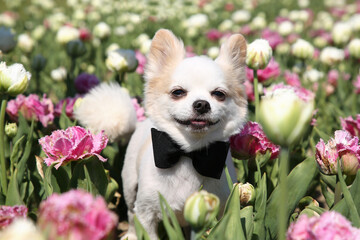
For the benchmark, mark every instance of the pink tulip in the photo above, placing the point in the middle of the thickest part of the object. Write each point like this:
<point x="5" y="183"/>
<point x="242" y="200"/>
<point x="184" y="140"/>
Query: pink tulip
<point x="300" y="230"/>
<point x="344" y="147"/>
<point x="251" y="141"/>
<point x="351" y="125"/>
<point x="329" y="226"/>
<point x="292" y="79"/>
<point x="357" y="85"/>
<point x="140" y="112"/>
<point x="302" y="93"/>
<point x="85" y="34"/>
<point x="271" y="71"/>
<point x="9" y="213"/>
<point x="32" y="107"/>
<point x="69" y="109"/>
<point x="72" y="144"/>
<point x="272" y="37"/>
<point x="249" y="88"/>
<point x="213" y="35"/>
<point x="141" y="62"/>
<point x="76" y="215"/>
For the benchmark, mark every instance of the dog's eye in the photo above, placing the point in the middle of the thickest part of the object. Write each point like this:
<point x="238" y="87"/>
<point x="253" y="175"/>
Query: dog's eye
<point x="178" y="93"/>
<point x="219" y="95"/>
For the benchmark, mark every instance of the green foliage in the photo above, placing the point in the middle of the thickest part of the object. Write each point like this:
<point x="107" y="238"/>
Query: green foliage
<point x="230" y="226"/>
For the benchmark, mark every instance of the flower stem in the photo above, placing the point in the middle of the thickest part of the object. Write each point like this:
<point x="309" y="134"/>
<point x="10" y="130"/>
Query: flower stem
<point x="70" y="91"/>
<point x="2" y="146"/>
<point x="37" y="82"/>
<point x="256" y="95"/>
<point x="337" y="195"/>
<point x="120" y="77"/>
<point x="283" y="203"/>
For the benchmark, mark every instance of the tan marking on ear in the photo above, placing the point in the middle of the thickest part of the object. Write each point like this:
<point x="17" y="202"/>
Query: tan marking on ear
<point x="232" y="60"/>
<point x="166" y="52"/>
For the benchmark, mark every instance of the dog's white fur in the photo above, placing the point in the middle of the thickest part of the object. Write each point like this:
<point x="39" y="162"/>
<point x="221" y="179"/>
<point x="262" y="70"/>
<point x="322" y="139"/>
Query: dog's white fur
<point x="169" y="70"/>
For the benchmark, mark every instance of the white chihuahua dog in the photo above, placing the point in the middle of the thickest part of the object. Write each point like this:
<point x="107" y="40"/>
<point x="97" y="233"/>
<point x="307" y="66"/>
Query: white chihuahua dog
<point x="193" y="104"/>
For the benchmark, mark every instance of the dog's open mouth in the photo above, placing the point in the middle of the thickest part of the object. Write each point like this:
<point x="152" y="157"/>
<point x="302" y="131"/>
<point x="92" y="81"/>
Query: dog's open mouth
<point x="197" y="123"/>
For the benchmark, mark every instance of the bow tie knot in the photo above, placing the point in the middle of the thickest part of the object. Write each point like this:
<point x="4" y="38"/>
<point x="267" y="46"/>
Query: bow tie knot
<point x="208" y="161"/>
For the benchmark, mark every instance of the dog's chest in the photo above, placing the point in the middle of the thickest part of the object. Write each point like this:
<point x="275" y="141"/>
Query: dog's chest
<point x="179" y="182"/>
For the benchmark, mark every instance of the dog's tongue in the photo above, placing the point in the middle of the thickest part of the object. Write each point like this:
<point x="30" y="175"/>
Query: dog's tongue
<point x="198" y="122"/>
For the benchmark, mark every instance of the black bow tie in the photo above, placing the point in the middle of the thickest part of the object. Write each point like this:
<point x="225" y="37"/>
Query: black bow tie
<point x="208" y="161"/>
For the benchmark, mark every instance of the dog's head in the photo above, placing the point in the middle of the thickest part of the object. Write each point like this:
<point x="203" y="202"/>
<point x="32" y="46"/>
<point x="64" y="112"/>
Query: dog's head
<point x="195" y="100"/>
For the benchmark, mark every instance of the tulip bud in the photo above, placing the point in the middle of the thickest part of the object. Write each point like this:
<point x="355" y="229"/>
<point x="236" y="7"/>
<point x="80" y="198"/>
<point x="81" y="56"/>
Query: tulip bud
<point x="285" y="113"/>
<point x="102" y="30"/>
<point x="213" y="52"/>
<point x="38" y="63"/>
<point x="354" y="48"/>
<point x="302" y="49"/>
<point x="259" y="54"/>
<point x="7" y="40"/>
<point x="285" y="28"/>
<point x="25" y="43"/>
<point x="201" y="209"/>
<point x="332" y="55"/>
<point x="246" y="193"/>
<point x="58" y="74"/>
<point x="13" y="79"/>
<point x="66" y="34"/>
<point x="121" y="60"/>
<point x="11" y="130"/>
<point x="75" y="48"/>
<point x="341" y="33"/>
<point x="307" y="201"/>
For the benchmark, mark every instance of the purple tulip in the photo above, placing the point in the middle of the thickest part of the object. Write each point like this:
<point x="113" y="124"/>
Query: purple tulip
<point x="84" y="82"/>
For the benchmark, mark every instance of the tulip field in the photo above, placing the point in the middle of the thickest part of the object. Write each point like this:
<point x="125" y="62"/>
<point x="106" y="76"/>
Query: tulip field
<point x="62" y="144"/>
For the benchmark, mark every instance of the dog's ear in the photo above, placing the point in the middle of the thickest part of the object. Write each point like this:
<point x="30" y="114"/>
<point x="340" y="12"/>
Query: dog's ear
<point x="232" y="57"/>
<point x="165" y="53"/>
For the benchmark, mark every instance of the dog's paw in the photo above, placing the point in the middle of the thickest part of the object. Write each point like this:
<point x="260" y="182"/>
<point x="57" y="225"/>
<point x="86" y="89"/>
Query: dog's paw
<point x="129" y="236"/>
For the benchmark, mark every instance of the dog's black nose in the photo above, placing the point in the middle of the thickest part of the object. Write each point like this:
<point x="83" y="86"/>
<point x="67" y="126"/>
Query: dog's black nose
<point x="201" y="106"/>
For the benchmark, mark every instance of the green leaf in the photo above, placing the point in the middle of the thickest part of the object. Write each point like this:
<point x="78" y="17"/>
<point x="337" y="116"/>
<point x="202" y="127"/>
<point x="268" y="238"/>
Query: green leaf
<point x="17" y="150"/>
<point x="26" y="190"/>
<point x="13" y="196"/>
<point x="354" y="190"/>
<point x="329" y="197"/>
<point x="22" y="165"/>
<point x="322" y="134"/>
<point x="92" y="179"/>
<point x="229" y="227"/>
<point x="97" y="175"/>
<point x="112" y="187"/>
<point x="228" y="178"/>
<point x="23" y="127"/>
<point x="64" y="120"/>
<point x="262" y="159"/>
<point x="140" y="231"/>
<point x="47" y="181"/>
<point x="298" y="182"/>
<point x="260" y="208"/>
<point x="60" y="181"/>
<point x="330" y="180"/>
<point x="241" y="169"/>
<point x="171" y="224"/>
<point x="316" y="209"/>
<point x="2" y="199"/>
<point x="354" y="215"/>
<point x="247" y="221"/>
